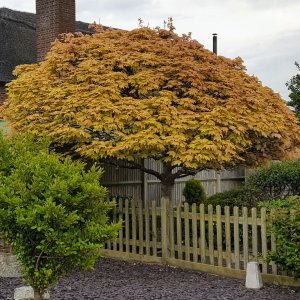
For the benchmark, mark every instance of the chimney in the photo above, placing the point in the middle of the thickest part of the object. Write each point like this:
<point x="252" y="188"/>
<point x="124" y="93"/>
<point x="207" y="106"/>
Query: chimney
<point x="215" y="43"/>
<point x="53" y="18"/>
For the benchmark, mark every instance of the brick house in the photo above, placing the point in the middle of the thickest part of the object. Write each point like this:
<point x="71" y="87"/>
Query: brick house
<point x="27" y="37"/>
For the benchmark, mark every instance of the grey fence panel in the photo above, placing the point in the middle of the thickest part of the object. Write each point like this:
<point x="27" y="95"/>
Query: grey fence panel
<point x="115" y="175"/>
<point x="137" y="185"/>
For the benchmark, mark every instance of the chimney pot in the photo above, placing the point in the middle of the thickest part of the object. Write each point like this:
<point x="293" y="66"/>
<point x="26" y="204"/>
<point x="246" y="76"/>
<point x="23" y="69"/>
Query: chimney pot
<point x="215" y="43"/>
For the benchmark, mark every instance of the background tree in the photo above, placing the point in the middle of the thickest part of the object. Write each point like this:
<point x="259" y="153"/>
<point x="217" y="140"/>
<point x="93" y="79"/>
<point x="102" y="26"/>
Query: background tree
<point x="53" y="213"/>
<point x="124" y="96"/>
<point x="294" y="86"/>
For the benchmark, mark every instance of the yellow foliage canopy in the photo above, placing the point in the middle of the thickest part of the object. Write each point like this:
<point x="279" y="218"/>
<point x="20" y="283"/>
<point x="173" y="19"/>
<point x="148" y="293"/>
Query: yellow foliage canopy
<point x="151" y="94"/>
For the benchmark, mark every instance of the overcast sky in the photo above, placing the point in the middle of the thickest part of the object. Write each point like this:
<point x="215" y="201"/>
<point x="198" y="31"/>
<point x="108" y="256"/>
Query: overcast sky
<point x="264" y="33"/>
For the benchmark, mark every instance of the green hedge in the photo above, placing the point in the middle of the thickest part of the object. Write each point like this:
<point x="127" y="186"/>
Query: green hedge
<point x="279" y="180"/>
<point x="285" y="227"/>
<point x="242" y="196"/>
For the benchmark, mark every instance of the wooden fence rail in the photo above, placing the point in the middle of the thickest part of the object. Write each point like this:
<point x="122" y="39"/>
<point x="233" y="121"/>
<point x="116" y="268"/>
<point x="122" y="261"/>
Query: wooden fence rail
<point x="211" y="239"/>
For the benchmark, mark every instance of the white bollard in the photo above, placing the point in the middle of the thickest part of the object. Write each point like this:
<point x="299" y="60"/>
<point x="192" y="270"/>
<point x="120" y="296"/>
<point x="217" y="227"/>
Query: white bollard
<point x="253" y="276"/>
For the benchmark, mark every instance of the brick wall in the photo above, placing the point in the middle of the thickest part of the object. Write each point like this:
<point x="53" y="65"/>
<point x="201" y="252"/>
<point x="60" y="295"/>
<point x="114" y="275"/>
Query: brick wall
<point x="53" y="17"/>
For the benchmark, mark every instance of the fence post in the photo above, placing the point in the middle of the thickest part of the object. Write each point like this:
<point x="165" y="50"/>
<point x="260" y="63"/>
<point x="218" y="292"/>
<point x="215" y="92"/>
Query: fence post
<point x="218" y="182"/>
<point x="164" y="229"/>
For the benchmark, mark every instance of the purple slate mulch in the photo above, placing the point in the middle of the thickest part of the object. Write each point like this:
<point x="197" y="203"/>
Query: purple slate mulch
<point x="114" y="279"/>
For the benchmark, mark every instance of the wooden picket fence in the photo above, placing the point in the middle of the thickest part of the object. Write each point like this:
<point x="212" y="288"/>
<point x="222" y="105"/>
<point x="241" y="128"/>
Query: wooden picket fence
<point x="210" y="239"/>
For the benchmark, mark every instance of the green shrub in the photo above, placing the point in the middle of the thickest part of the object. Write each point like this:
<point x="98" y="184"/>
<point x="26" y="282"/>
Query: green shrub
<point x="11" y="149"/>
<point x="285" y="226"/>
<point x="194" y="192"/>
<point x="241" y="197"/>
<point x="279" y="180"/>
<point x="53" y="213"/>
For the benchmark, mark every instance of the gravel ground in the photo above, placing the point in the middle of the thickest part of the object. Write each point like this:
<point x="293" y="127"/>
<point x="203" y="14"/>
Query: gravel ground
<point x="113" y="279"/>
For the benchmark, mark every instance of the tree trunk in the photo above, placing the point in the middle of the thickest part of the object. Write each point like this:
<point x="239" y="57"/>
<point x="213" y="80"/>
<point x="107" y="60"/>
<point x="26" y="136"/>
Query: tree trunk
<point x="166" y="189"/>
<point x="37" y="295"/>
<point x="167" y="182"/>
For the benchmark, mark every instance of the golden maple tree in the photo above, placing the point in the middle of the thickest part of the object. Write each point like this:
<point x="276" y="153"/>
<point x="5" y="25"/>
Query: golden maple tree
<point x="123" y="96"/>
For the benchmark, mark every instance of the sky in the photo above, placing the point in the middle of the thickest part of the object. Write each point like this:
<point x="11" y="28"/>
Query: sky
<point x="264" y="33"/>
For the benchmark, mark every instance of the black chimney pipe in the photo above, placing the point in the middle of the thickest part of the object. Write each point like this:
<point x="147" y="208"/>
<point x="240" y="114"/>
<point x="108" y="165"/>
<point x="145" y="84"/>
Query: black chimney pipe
<point x="215" y="43"/>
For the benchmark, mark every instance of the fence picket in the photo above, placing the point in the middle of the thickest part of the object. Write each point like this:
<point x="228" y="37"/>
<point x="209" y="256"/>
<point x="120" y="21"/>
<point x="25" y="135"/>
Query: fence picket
<point x="194" y="232"/>
<point x="154" y="229"/>
<point x="127" y="227"/>
<point x="164" y="228"/>
<point x="115" y="221"/>
<point x="121" y="230"/>
<point x="147" y="228"/>
<point x="141" y="228"/>
<point x="171" y="230"/>
<point x="219" y="235"/>
<point x="202" y="234"/>
<point x="133" y="217"/>
<point x="178" y="231"/>
<point x="245" y="237"/>
<point x="211" y="235"/>
<point x="264" y="238"/>
<point x="273" y="248"/>
<point x="254" y="234"/>
<point x="228" y="236"/>
<point x="236" y="235"/>
<point x="187" y="232"/>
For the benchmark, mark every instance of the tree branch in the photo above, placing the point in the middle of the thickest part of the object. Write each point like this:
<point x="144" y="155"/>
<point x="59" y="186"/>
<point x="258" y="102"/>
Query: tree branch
<point x="182" y="176"/>
<point x="38" y="260"/>
<point x="183" y="172"/>
<point x="132" y="165"/>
